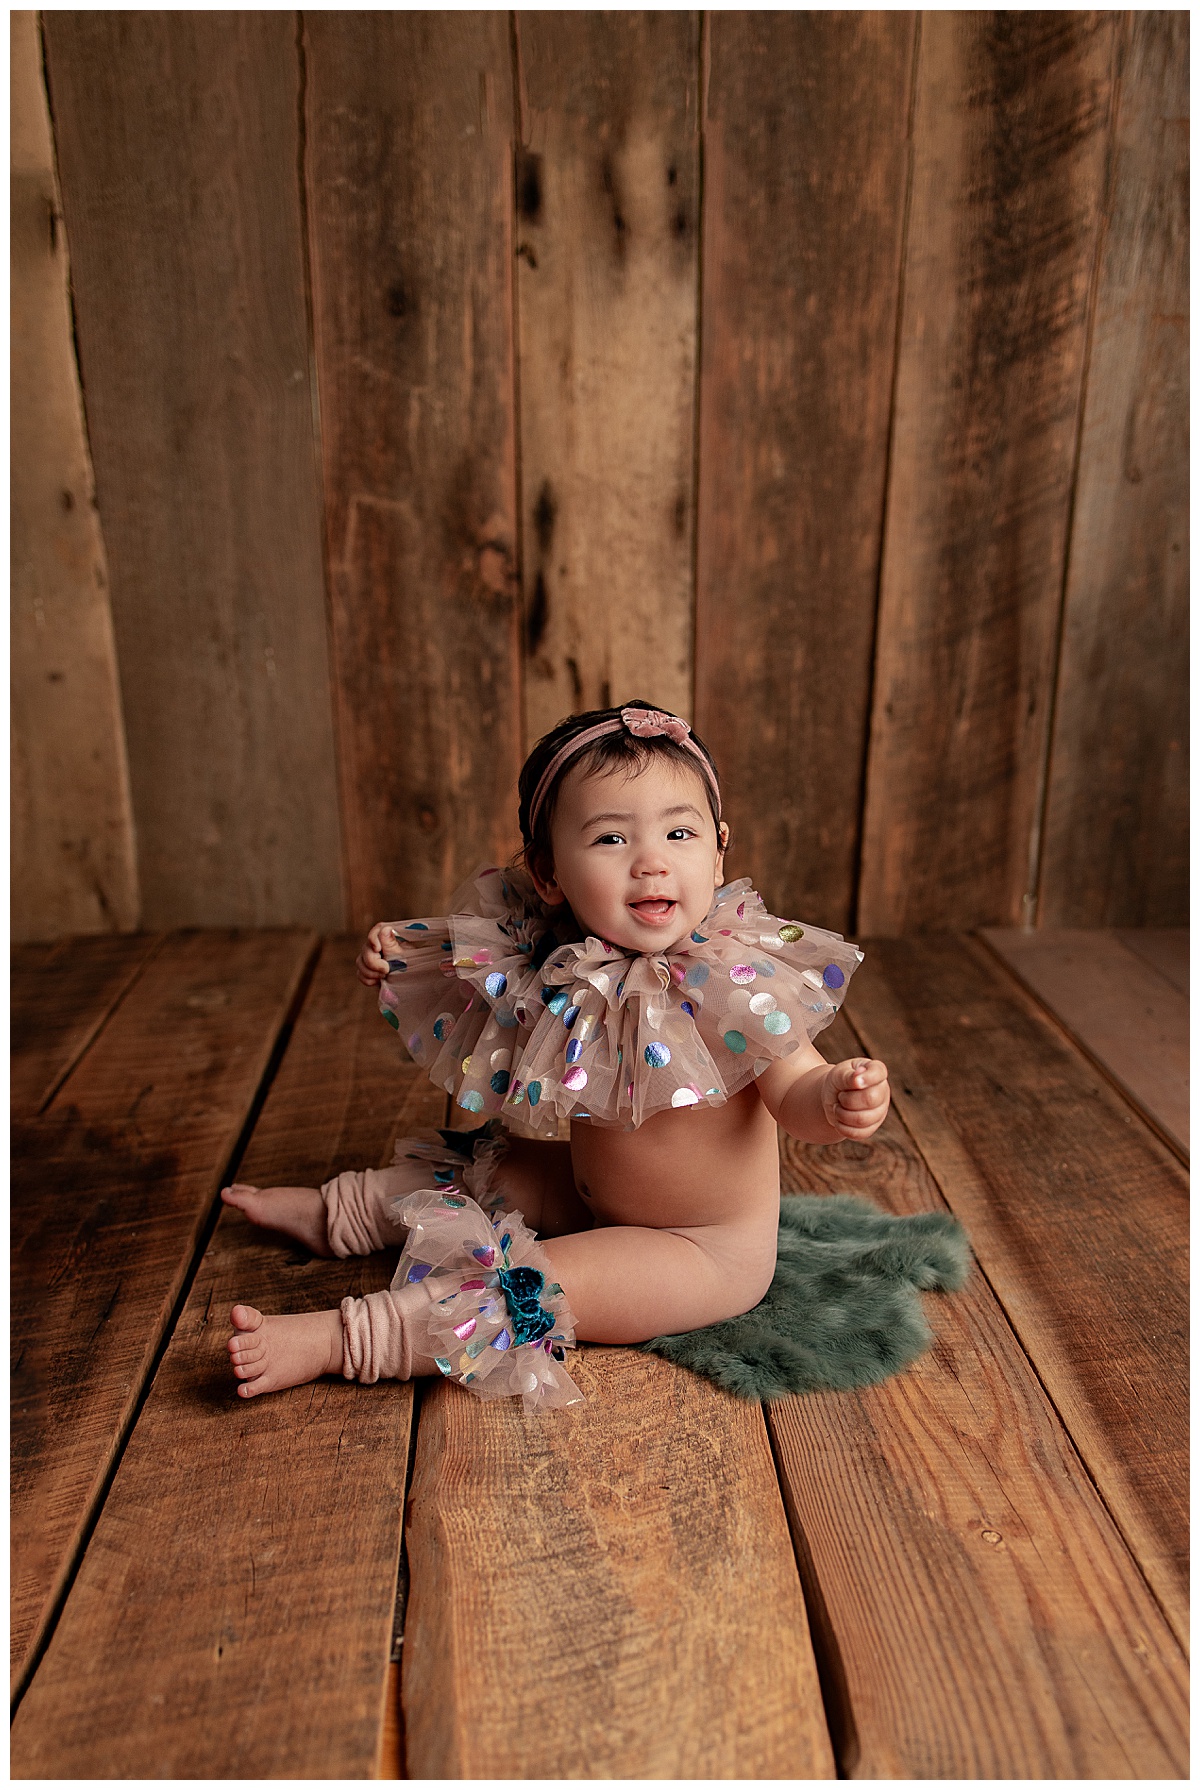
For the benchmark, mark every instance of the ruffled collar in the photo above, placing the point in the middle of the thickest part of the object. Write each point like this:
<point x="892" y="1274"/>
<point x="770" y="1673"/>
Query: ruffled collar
<point x="515" y="1016"/>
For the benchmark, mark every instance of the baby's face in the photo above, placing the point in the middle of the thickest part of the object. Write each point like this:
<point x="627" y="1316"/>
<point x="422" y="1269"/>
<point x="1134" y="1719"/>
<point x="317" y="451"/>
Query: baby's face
<point x="637" y="856"/>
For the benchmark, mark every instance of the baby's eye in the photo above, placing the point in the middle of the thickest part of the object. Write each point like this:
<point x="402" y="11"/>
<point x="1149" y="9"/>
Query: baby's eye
<point x="609" y="839"/>
<point x="681" y="833"/>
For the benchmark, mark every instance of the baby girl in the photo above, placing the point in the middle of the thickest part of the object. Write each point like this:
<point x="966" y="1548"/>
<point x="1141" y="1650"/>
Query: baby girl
<point x="614" y="981"/>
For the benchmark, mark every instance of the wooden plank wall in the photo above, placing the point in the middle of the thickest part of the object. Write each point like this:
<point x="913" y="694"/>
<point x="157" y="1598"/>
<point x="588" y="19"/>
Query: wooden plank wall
<point x="72" y="822"/>
<point x="819" y="375"/>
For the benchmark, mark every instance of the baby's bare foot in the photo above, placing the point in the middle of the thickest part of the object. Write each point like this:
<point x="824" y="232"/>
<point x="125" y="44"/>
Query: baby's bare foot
<point x="269" y="1354"/>
<point x="298" y="1212"/>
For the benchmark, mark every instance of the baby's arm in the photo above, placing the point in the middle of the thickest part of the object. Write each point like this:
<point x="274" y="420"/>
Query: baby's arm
<point x="822" y="1102"/>
<point x="372" y="963"/>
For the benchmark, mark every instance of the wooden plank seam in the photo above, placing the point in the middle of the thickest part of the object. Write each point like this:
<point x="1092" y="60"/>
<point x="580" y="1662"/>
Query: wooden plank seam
<point x="1033" y="891"/>
<point x="979" y="1268"/>
<point x="87" y="1043"/>
<point x="831" y="1668"/>
<point x="92" y="1517"/>
<point x="1080" y="1044"/>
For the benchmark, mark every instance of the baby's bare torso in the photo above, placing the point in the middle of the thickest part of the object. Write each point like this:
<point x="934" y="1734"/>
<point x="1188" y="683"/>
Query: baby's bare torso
<point x="699" y="1165"/>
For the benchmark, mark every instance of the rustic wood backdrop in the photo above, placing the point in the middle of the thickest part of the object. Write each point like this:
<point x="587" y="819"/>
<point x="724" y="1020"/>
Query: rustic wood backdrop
<point x="387" y="385"/>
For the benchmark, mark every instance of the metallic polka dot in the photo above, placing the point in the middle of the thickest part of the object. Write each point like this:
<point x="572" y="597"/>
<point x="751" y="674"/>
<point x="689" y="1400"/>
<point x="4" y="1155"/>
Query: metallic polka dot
<point x="686" y="1007"/>
<point x="741" y="973"/>
<point x="472" y="1102"/>
<point x="789" y="934"/>
<point x="574" y="1050"/>
<point x="500" y="1081"/>
<point x="601" y="981"/>
<point x="416" y="926"/>
<point x="575" y="1079"/>
<point x="657" y="1055"/>
<point x="812" y="978"/>
<point x="697" y="976"/>
<point x="414" y="1043"/>
<point x="466" y="1064"/>
<point x="534" y="1092"/>
<point x="500" y="1059"/>
<point x="654" y="1015"/>
<point x="482" y="957"/>
<point x="685" y="1097"/>
<point x="763" y="967"/>
<point x="833" y="976"/>
<point x="496" y="984"/>
<point x="778" y="1023"/>
<point x="735" y="1042"/>
<point x="396" y="964"/>
<point x="516" y="1093"/>
<point x="557" y="1001"/>
<point x="570" y="1016"/>
<point x="392" y="1021"/>
<point x="763" y="1003"/>
<point x="506" y="1018"/>
<point x="700" y="938"/>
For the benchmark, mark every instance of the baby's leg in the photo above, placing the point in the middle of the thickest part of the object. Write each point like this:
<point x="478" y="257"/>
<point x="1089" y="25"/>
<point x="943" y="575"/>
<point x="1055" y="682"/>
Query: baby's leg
<point x="353" y="1213"/>
<point x="350" y="1215"/>
<point x="369" y="1338"/>
<point x="625" y="1284"/>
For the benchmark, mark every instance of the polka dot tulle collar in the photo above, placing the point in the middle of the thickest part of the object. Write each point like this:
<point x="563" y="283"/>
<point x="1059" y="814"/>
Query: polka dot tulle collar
<point x="515" y="1013"/>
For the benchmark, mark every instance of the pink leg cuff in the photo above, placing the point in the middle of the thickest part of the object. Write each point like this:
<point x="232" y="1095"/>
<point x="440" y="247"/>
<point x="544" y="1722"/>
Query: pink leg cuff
<point x="358" y="1219"/>
<point x="377" y="1336"/>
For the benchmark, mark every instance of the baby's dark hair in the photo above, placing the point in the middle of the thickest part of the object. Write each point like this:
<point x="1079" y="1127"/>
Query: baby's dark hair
<point x="605" y="754"/>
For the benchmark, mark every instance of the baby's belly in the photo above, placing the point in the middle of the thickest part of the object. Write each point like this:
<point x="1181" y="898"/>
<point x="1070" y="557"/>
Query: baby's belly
<point x="698" y="1165"/>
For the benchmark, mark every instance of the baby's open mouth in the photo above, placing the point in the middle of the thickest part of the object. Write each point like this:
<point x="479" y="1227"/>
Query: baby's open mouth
<point x="653" y="908"/>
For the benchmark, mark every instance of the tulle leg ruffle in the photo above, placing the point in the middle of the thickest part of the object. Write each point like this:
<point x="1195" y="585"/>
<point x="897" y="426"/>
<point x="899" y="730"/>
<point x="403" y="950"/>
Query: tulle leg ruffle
<point x="502" y="1324"/>
<point x="469" y="1164"/>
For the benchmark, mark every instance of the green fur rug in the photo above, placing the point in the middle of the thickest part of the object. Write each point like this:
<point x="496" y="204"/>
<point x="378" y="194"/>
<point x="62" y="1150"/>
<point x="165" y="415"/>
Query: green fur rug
<point x="844" y="1307"/>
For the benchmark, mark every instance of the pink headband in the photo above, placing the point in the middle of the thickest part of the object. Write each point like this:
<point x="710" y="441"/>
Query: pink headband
<point x="647" y="724"/>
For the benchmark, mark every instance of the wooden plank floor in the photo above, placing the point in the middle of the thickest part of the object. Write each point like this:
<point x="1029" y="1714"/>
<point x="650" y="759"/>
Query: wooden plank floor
<point x="974" y="1570"/>
<point x="1122" y="996"/>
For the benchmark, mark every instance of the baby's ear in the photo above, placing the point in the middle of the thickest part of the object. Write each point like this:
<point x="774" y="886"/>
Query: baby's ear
<point x="542" y="871"/>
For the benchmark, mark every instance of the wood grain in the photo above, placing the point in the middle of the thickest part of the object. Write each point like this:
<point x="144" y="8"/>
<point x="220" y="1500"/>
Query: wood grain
<point x="976" y="1610"/>
<point x="1166" y="949"/>
<point x="1116" y="836"/>
<point x="1126" y="1016"/>
<point x="232" y="1617"/>
<point x="805" y="174"/>
<point x="408" y="172"/>
<point x="607" y="268"/>
<point x="177" y="137"/>
<point x="60" y="996"/>
<point x="1077" y="1214"/>
<point x="110" y="1193"/>
<point x="607" y="1591"/>
<point x="74" y="867"/>
<point x="1010" y="139"/>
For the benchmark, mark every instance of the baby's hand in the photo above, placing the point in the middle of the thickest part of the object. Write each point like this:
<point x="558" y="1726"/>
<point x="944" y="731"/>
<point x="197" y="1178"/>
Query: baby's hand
<point x="372" y="964"/>
<point x="855" y="1097"/>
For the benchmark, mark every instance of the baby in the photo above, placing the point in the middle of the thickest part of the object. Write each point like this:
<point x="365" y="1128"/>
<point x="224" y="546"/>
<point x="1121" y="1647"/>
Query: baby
<point x="614" y="981"/>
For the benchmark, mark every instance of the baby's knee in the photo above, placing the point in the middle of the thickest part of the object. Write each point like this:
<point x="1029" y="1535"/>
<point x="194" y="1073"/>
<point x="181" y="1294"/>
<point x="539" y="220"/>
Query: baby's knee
<point x="742" y="1269"/>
